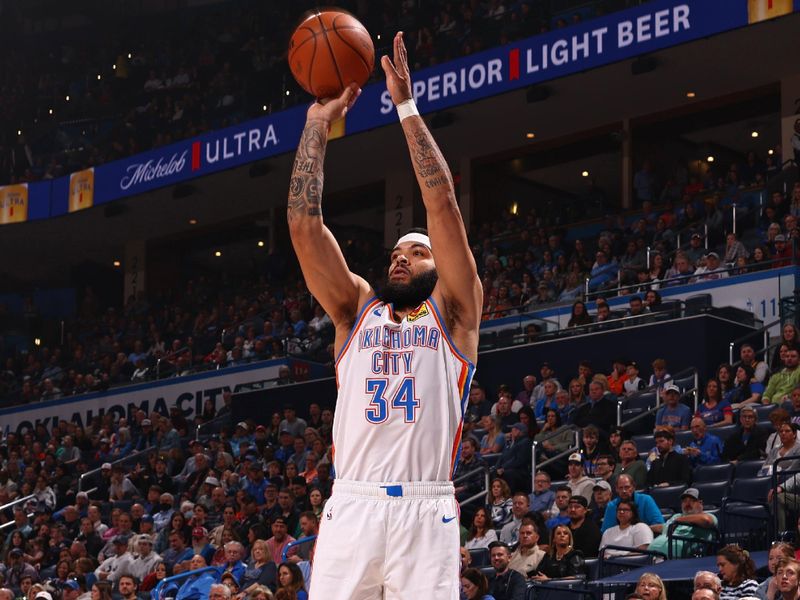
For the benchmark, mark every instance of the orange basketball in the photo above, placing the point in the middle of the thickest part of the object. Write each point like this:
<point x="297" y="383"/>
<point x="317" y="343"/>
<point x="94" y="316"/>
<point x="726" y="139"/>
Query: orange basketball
<point x="328" y="51"/>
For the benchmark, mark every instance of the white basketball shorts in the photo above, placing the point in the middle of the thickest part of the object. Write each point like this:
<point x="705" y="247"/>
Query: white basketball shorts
<point x="388" y="541"/>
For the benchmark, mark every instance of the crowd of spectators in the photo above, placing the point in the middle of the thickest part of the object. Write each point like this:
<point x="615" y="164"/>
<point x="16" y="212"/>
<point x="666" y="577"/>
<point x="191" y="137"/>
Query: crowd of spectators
<point x="81" y="97"/>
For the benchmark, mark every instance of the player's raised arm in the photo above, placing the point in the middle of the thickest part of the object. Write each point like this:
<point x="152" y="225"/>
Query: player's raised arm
<point x="455" y="264"/>
<point x="324" y="267"/>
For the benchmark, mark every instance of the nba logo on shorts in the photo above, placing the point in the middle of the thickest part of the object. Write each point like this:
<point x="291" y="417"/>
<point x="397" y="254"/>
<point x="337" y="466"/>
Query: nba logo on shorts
<point x="761" y="10"/>
<point x="81" y="190"/>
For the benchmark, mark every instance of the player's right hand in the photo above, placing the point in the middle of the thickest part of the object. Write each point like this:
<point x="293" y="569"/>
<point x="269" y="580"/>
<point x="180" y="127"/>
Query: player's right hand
<point x="333" y="109"/>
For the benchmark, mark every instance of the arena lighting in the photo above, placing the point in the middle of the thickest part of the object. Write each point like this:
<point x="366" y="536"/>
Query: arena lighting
<point x="37" y="341"/>
<point x="264" y="108"/>
<point x="644" y="64"/>
<point x="709" y="158"/>
<point x="99" y="77"/>
<point x="379" y="36"/>
<point x="537" y="93"/>
<point x="67" y="98"/>
<point x="116" y="263"/>
<point x="288" y="92"/>
<point x="19" y="131"/>
<point x="260" y="243"/>
<point x="690" y="94"/>
<point x="113" y="67"/>
<point x="130" y="55"/>
<point x="217" y="253"/>
<point x="50" y="111"/>
<point x="754" y="134"/>
<point x="530" y="135"/>
<point x="584" y="173"/>
<point x="514" y="208"/>
<point x="770" y="151"/>
<point x="192" y="221"/>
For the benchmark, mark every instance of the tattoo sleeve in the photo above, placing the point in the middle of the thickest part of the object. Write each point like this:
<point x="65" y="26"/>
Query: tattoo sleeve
<point x="429" y="165"/>
<point x="305" y="186"/>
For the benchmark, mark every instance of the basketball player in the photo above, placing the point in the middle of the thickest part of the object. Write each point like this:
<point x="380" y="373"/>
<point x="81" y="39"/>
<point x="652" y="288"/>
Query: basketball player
<point x="405" y="358"/>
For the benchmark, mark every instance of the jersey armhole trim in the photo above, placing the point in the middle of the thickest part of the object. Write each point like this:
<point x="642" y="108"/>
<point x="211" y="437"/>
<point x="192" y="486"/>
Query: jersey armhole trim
<point x="359" y="318"/>
<point x="443" y="327"/>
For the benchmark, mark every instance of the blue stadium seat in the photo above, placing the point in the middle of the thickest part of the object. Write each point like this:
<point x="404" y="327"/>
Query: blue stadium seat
<point x="645" y="401"/>
<point x="762" y="412"/>
<point x="697" y="304"/>
<point x="685" y="383"/>
<point x="705" y="473"/>
<point x="723" y="432"/>
<point x="668" y="497"/>
<point x="750" y="489"/>
<point x="643" y="442"/>
<point x="712" y="492"/>
<point x="683" y="438"/>
<point x="480" y="557"/>
<point x="748" y="468"/>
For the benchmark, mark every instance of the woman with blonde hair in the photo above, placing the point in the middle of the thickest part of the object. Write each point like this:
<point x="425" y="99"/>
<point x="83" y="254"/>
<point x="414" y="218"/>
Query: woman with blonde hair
<point x="651" y="587"/>
<point x="562" y="560"/>
<point x="260" y="571"/>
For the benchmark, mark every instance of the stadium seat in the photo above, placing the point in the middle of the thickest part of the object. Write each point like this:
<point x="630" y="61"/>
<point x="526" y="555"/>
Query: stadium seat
<point x="750" y="489"/>
<point x="668" y="497"/>
<point x="748" y="525"/>
<point x="643" y="442"/>
<point x="684" y="383"/>
<point x="712" y="492"/>
<point x="644" y="401"/>
<point x="762" y="412"/>
<point x="697" y="304"/>
<point x="480" y="557"/>
<point x="706" y="473"/>
<point x="683" y="438"/>
<point x="748" y="468"/>
<point x="723" y="432"/>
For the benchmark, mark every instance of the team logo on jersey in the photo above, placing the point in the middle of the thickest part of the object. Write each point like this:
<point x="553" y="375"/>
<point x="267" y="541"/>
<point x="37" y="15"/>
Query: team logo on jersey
<point x="418" y="313"/>
<point x="329" y="514"/>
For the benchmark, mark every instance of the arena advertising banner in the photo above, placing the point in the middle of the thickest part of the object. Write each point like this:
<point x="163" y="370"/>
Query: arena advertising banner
<point x="618" y="36"/>
<point x="14" y="203"/>
<point x="188" y="393"/>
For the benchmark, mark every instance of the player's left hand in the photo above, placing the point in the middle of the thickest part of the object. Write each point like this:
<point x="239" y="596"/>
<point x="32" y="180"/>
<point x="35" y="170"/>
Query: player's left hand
<point x="398" y="77"/>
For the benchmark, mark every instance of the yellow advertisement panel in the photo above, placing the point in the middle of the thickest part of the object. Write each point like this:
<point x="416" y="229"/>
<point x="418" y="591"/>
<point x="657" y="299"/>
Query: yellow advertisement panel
<point x="81" y="190"/>
<point x="337" y="129"/>
<point x="14" y="204"/>
<point x="761" y="10"/>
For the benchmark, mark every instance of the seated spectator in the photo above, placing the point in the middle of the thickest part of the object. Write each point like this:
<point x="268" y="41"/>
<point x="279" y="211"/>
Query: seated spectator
<point x="650" y="586"/>
<point x="618" y="377"/>
<point x="260" y="569"/>
<point x="628" y="532"/>
<point x="585" y="532"/>
<point x="670" y="468"/>
<point x="693" y="522"/>
<point x="481" y="533"/>
<point x="633" y="383"/>
<point x="649" y="513"/>
<point x="788" y="574"/>
<point x="546" y="374"/>
<point x="600" y="410"/>
<point x="279" y="541"/>
<point x="548" y="399"/>
<point x="557" y="515"/>
<point x="660" y="377"/>
<point x="746" y="390"/>
<point x="475" y="585"/>
<point x="500" y="503"/>
<point x="748" y="441"/>
<point x="554" y="437"/>
<point x="673" y="413"/>
<point x="145" y="560"/>
<point x="778" y="552"/>
<point x="122" y="562"/>
<point x="591" y="447"/>
<point x="601" y="496"/>
<point x="630" y="464"/>
<point x="579" y="315"/>
<point x="542" y="497"/>
<point x="790" y="446"/>
<point x="515" y="461"/>
<point x="706" y="580"/>
<point x="519" y="508"/>
<point x="505" y="583"/>
<point x="714" y="410"/>
<point x="470" y="462"/>
<point x="712" y="269"/>
<point x="562" y="560"/>
<point x="526" y="558"/>
<point x="784" y="381"/>
<point x="578" y="482"/>
<point x="494" y="440"/>
<point x="705" y="448"/>
<point x="737" y="572"/>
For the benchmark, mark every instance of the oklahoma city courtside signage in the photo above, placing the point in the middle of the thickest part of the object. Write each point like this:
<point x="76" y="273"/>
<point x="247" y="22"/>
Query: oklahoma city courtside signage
<point x="622" y="35"/>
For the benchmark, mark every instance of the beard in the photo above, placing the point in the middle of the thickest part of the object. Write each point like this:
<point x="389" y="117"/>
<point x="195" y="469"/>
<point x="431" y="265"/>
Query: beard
<point x="411" y="294"/>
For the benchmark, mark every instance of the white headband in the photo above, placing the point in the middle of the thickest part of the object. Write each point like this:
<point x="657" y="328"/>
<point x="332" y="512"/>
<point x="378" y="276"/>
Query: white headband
<point x="416" y="238"/>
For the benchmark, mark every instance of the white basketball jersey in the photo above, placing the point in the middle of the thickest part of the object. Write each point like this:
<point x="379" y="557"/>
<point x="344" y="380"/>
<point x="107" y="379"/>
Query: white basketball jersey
<point x="402" y="393"/>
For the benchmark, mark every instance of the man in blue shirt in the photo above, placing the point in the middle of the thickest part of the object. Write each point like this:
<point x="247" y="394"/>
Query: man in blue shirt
<point x="649" y="512"/>
<point x="705" y="448"/>
<point x="673" y="413"/>
<point x="542" y="497"/>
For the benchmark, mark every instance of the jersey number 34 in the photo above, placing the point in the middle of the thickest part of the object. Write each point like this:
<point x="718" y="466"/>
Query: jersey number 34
<point x="404" y="400"/>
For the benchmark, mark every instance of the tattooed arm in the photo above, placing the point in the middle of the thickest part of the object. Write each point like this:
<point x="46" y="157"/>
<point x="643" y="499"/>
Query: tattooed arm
<point x="339" y="291"/>
<point x="458" y="285"/>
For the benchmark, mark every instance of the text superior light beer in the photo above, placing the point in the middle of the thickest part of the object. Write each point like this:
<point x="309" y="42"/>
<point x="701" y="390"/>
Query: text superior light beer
<point x="81" y="190"/>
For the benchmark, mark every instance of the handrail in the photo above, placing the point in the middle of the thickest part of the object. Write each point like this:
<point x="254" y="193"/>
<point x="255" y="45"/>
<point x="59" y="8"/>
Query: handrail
<point x="17" y="501"/>
<point x="171" y="353"/>
<point x="764" y="329"/>
<point x="208" y="423"/>
<point x="477" y="495"/>
<point x="163" y="583"/>
<point x="119" y="460"/>
<point x="297" y="542"/>
<point x="10" y="523"/>
<point x="575" y="448"/>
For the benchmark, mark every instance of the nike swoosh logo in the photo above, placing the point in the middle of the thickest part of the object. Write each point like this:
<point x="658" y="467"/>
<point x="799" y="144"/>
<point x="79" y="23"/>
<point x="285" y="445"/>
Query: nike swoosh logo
<point x="447" y="519"/>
